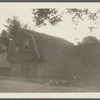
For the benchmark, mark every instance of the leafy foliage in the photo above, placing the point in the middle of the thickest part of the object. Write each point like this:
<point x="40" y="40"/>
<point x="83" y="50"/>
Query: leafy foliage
<point x="4" y="39"/>
<point x="89" y="39"/>
<point x="40" y="16"/>
<point x="53" y="16"/>
<point x="77" y="14"/>
<point x="13" y="26"/>
<point x="83" y="15"/>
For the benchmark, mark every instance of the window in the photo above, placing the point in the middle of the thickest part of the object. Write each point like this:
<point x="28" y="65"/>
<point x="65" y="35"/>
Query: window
<point x="26" y="46"/>
<point x="16" y="47"/>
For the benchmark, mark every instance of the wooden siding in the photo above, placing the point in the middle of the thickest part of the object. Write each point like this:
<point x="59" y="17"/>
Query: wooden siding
<point x="52" y="63"/>
<point x="16" y="69"/>
<point x="22" y="55"/>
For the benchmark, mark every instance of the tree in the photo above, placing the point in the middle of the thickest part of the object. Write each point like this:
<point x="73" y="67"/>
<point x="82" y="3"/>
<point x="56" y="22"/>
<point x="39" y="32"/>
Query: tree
<point x="40" y="16"/>
<point x="4" y="39"/>
<point x="54" y="16"/>
<point x="78" y="14"/>
<point x="13" y="26"/>
<point x="89" y="39"/>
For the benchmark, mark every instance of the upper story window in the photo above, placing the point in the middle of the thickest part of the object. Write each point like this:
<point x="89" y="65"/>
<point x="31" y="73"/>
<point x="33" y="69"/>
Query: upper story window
<point x="26" y="46"/>
<point x="16" y="47"/>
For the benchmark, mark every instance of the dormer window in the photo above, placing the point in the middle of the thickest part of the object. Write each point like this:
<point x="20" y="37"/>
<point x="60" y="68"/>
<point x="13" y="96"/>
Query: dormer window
<point x="16" y="47"/>
<point x="26" y="46"/>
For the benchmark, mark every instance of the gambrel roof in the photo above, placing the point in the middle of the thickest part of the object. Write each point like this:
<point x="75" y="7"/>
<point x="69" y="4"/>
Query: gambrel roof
<point x="42" y="41"/>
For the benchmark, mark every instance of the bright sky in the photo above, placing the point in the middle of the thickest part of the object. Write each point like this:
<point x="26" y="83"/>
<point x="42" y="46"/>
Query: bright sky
<point x="65" y="29"/>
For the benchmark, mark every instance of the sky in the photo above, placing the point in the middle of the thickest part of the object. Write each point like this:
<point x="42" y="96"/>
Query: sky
<point x="64" y="29"/>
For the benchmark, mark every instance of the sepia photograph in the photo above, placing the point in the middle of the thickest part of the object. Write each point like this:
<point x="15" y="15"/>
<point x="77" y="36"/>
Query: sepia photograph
<point x="49" y="47"/>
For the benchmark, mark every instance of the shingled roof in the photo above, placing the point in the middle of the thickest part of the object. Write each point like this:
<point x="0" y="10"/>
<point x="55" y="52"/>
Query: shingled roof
<point x="55" y="40"/>
<point x="41" y="42"/>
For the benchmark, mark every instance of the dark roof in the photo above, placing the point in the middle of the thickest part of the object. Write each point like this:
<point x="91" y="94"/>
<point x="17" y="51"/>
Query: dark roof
<point x="56" y="40"/>
<point x="42" y="42"/>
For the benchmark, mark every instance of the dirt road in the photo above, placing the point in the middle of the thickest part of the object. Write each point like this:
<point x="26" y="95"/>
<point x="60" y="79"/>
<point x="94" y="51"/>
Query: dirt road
<point x="17" y="86"/>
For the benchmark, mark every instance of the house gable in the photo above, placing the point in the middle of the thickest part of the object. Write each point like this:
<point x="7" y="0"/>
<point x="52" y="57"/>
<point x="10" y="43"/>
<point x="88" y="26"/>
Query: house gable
<point x="22" y="55"/>
<point x="38" y="43"/>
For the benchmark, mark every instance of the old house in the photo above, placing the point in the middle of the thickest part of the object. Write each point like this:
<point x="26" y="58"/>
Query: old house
<point x="33" y="54"/>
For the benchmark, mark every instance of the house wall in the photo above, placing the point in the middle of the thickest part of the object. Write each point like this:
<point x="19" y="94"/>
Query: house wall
<point x="16" y="69"/>
<point x="3" y="60"/>
<point x="22" y="55"/>
<point x="25" y="69"/>
<point x="54" y="65"/>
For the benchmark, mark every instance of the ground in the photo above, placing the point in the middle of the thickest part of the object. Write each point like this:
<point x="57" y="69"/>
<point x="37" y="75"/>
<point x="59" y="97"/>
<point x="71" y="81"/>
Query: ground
<point x="21" y="86"/>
